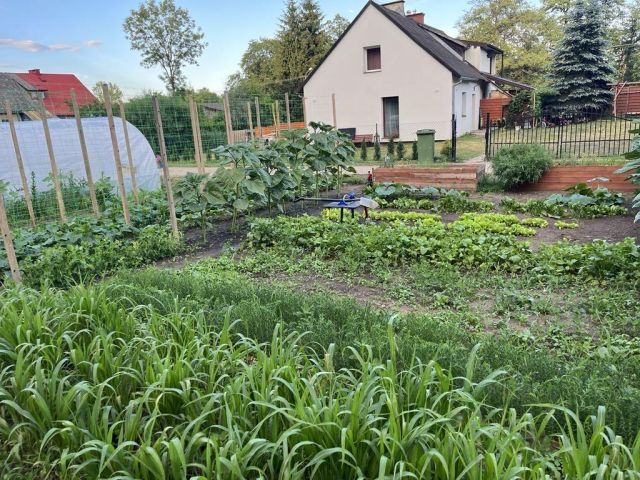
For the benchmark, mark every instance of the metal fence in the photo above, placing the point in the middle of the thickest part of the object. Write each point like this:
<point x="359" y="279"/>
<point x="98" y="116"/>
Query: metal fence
<point x="574" y="134"/>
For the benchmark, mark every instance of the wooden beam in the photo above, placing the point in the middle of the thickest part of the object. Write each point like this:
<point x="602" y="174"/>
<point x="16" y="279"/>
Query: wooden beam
<point x="304" y="112"/>
<point x="8" y="242"/>
<point x="195" y="128"/>
<point x="165" y="167"/>
<point x="116" y="152"/>
<point x="258" y="119"/>
<point x="286" y="106"/>
<point x="23" y="176"/>
<point x="333" y="104"/>
<point x="85" y="155"/>
<point x="277" y="117"/>
<point x="132" y="168"/>
<point x="52" y="161"/>
<point x="250" y="121"/>
<point x="227" y="119"/>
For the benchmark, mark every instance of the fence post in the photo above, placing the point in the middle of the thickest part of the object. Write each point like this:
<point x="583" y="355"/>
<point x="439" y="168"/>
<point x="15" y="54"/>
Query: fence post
<point x="258" y="119"/>
<point x="286" y="106"/>
<point x="116" y="152"/>
<point x="559" y="149"/>
<point x="23" y="176"/>
<point x="227" y="119"/>
<point x="333" y="105"/>
<point x="487" y="136"/>
<point x="304" y="111"/>
<point x="52" y="161"/>
<point x="8" y="240"/>
<point x="276" y="112"/>
<point x="85" y="155"/>
<point x="250" y="121"/>
<point x="125" y="128"/>
<point x="195" y="129"/>
<point x="454" y="137"/>
<point x="165" y="167"/>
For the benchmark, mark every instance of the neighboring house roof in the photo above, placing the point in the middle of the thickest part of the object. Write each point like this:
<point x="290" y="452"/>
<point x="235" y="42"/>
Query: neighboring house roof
<point x="216" y="107"/>
<point x="57" y="88"/>
<point x="12" y="88"/>
<point x="506" y="81"/>
<point x="485" y="45"/>
<point x="424" y="36"/>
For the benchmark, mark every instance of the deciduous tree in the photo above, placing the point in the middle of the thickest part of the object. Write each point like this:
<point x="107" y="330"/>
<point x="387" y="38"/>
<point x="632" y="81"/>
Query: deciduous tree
<point x="166" y="36"/>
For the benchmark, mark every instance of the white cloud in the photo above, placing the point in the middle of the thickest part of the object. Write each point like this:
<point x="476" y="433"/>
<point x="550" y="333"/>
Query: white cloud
<point x="28" y="45"/>
<point x="92" y="43"/>
<point x="34" y="47"/>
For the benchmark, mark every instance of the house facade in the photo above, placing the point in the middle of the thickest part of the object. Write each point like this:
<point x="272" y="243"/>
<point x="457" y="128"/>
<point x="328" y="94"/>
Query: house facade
<point x="392" y="74"/>
<point x="24" y="91"/>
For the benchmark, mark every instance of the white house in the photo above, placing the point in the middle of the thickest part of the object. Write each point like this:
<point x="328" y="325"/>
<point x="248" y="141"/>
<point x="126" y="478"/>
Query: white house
<point x="390" y="73"/>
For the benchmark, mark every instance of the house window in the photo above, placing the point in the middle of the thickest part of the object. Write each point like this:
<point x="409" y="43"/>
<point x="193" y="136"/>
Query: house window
<point x="373" y="60"/>
<point x="464" y="104"/>
<point x="391" y="117"/>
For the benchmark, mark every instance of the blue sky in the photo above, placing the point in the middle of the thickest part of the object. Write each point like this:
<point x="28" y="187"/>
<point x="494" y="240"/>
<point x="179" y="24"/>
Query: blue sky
<point x="85" y="37"/>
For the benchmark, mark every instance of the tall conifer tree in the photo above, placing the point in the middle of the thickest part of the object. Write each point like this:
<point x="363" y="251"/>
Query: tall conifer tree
<point x="581" y="71"/>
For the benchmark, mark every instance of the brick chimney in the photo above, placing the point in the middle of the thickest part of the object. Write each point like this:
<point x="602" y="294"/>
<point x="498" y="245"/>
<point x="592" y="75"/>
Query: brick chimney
<point x="35" y="71"/>
<point x="397" y="6"/>
<point x="417" y="17"/>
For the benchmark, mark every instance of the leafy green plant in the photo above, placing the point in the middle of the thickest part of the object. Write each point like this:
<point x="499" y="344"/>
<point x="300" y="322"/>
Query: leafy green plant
<point x="377" y="153"/>
<point x="414" y="150"/>
<point x="391" y="147"/>
<point x="520" y="164"/>
<point x="446" y="151"/>
<point x="633" y="166"/>
<point x="560" y="225"/>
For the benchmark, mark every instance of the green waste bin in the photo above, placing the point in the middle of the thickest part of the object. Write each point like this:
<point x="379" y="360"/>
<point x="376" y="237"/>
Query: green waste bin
<point x="426" y="145"/>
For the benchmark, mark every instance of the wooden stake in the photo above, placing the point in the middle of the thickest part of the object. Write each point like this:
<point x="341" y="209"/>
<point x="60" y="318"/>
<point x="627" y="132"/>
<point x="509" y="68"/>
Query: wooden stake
<point x="132" y="169"/>
<point x="304" y="111"/>
<point x="193" y="113"/>
<point x="165" y="167"/>
<point x="85" y="155"/>
<point x="273" y="117"/>
<point x="23" y="176"/>
<point x="333" y="104"/>
<point x="286" y="106"/>
<point x="227" y="119"/>
<point x="8" y="242"/>
<point x="258" y="119"/>
<point x="116" y="152"/>
<point x="203" y="159"/>
<point x="277" y="112"/>
<point x="250" y="121"/>
<point x="54" y="166"/>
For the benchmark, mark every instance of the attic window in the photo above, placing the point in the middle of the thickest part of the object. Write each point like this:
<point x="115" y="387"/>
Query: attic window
<point x="373" y="59"/>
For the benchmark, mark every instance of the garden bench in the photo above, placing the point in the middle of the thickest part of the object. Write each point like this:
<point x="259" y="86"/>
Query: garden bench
<point x="368" y="137"/>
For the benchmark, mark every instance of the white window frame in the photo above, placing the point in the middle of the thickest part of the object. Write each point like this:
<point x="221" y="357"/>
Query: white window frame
<point x="366" y="62"/>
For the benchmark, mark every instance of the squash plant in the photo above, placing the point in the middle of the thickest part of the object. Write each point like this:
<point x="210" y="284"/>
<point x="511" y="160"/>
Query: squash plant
<point x="634" y="165"/>
<point x="196" y="197"/>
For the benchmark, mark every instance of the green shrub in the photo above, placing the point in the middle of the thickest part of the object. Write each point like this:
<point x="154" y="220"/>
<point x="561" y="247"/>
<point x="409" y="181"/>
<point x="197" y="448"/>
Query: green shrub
<point x="364" y="151"/>
<point x="446" y="151"/>
<point x="377" y="154"/>
<point x="391" y="147"/>
<point x="400" y="151"/>
<point x="414" y="151"/>
<point x="521" y="164"/>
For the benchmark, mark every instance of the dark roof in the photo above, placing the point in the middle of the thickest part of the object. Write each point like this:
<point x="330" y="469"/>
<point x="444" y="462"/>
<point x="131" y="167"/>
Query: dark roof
<point x="425" y="36"/>
<point x="216" y="107"/>
<point x="506" y="81"/>
<point x="485" y="45"/>
<point x="12" y="88"/>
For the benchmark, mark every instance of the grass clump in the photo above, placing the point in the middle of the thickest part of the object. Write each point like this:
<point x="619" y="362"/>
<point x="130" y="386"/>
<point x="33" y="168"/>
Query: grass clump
<point x="94" y="387"/>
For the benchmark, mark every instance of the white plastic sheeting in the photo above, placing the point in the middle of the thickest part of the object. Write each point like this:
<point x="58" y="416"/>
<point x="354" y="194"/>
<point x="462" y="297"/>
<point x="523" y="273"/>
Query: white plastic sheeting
<point x="66" y="147"/>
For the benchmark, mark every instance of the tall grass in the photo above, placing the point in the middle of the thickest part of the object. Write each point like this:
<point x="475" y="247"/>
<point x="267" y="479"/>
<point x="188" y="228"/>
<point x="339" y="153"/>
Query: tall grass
<point x="89" y="389"/>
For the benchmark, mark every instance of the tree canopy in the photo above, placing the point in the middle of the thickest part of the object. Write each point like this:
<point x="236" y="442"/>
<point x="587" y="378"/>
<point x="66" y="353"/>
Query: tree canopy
<point x="525" y="32"/>
<point x="581" y="72"/>
<point x="166" y="36"/>
<point x="115" y="92"/>
<point x="276" y="65"/>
